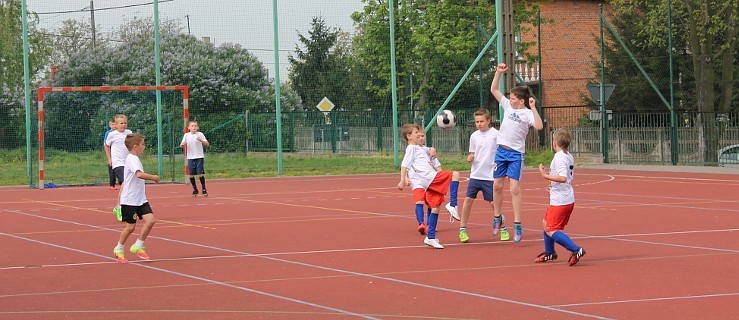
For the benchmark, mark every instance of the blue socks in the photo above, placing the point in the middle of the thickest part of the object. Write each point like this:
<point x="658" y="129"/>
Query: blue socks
<point x="548" y="243"/>
<point x="565" y="241"/>
<point x="433" y="219"/>
<point x="453" y="187"/>
<point x="419" y="213"/>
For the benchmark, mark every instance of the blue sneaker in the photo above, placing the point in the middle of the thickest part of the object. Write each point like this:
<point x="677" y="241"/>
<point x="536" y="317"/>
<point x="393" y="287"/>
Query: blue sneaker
<point x="497" y="223"/>
<point x="519" y="233"/>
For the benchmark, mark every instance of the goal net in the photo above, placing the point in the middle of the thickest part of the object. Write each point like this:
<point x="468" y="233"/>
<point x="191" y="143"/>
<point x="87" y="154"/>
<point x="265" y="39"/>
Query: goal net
<point x="72" y="122"/>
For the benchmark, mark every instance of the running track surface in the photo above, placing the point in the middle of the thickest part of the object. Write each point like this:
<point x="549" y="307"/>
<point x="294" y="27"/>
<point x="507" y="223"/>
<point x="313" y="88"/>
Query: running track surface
<point x="659" y="246"/>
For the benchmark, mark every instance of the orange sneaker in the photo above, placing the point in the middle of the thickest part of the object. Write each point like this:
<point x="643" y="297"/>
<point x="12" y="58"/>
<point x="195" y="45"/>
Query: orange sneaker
<point x="140" y="251"/>
<point x="113" y="188"/>
<point x="119" y="255"/>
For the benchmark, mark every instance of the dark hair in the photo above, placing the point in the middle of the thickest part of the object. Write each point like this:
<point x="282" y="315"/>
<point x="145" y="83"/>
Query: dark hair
<point x="522" y="92"/>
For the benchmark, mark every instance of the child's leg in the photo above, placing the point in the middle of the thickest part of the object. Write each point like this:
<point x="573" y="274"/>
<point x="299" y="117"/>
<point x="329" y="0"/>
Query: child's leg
<point x="466" y="209"/>
<point x="562" y="239"/>
<point x="127" y="231"/>
<point x="111" y="176"/>
<point x="453" y="189"/>
<point x="149" y="221"/>
<point x="419" y="210"/>
<point x="498" y="196"/>
<point x="202" y="182"/>
<point x="516" y="200"/>
<point x="192" y="182"/>
<point x="433" y="221"/>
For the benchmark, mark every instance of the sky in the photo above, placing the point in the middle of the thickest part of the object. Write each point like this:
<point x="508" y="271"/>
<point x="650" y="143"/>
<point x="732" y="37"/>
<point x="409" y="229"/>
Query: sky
<point x="246" y="22"/>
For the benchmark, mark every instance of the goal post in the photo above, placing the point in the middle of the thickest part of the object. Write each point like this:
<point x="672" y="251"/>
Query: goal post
<point x="80" y="165"/>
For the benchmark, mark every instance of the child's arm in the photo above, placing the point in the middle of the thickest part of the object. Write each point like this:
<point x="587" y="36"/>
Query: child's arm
<point x="143" y="175"/>
<point x="494" y="87"/>
<point x="403" y="177"/>
<point x="184" y="141"/>
<point x="471" y="157"/>
<point x="538" y="124"/>
<point x="107" y="154"/>
<point x="550" y="177"/>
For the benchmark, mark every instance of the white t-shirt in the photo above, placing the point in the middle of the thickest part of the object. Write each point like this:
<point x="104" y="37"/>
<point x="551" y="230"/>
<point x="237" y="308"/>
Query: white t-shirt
<point x="435" y="161"/>
<point x="418" y="163"/>
<point x="117" y="142"/>
<point x="515" y="126"/>
<point x="483" y="144"/>
<point x="562" y="193"/>
<point x="194" y="147"/>
<point x="134" y="188"/>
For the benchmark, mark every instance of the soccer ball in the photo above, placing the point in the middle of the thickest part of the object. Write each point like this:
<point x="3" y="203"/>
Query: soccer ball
<point x="446" y="120"/>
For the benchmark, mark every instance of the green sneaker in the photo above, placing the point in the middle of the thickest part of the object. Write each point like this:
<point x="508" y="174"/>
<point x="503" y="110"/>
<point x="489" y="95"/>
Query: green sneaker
<point x="504" y="235"/>
<point x="139" y="251"/>
<point x="119" y="255"/>
<point x="463" y="236"/>
<point x="117" y="213"/>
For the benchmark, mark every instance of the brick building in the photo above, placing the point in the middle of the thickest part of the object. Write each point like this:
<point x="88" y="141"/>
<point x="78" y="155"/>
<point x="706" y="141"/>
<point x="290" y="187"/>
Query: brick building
<point x="569" y="53"/>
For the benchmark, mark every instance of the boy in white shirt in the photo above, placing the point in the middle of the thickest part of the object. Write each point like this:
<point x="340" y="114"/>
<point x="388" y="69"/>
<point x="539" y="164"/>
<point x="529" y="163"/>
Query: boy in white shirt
<point x="511" y="148"/>
<point x="115" y="150"/>
<point x="428" y="185"/>
<point x="561" y="200"/>
<point x="483" y="144"/>
<point x="133" y="200"/>
<point x="195" y="141"/>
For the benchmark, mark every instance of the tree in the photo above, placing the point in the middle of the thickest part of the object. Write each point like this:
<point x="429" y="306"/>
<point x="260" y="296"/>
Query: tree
<point x="318" y="69"/>
<point x="707" y="37"/>
<point x="436" y="41"/>
<point x="224" y="82"/>
<point x="12" y="102"/>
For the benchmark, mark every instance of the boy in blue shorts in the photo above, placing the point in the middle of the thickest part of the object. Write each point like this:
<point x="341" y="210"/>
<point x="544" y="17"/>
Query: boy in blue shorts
<point x="561" y="200"/>
<point x="133" y="200"/>
<point x="517" y="119"/>
<point x="195" y="141"/>
<point x="483" y="144"/>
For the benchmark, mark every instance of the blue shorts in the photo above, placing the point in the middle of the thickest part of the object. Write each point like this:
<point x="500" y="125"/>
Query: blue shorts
<point x="508" y="163"/>
<point x="195" y="166"/>
<point x="475" y="185"/>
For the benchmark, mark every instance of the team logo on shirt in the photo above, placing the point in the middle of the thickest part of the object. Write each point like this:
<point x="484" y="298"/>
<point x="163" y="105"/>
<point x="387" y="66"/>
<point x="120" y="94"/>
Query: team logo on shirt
<point x="514" y="116"/>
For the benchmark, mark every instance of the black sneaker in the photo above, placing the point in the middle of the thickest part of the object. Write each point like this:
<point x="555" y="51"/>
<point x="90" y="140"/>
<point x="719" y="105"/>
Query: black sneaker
<point x="545" y="256"/>
<point x="205" y="193"/>
<point x="195" y="193"/>
<point x="575" y="257"/>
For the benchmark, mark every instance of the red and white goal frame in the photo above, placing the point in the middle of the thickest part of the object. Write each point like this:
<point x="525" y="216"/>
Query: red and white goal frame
<point x="43" y="90"/>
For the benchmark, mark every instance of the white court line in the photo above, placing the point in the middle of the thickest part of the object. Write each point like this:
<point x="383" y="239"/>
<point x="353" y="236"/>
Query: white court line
<point x="646" y="300"/>
<point x="359" y="274"/>
<point x="657" y="177"/>
<point x="184" y="275"/>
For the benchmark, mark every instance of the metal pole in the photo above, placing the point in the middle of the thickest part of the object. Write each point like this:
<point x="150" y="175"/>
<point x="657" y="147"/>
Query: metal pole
<point x="603" y="116"/>
<point x="479" y="66"/>
<point x="92" y="22"/>
<point x="27" y="92"/>
<point x="158" y="74"/>
<point x="674" y="149"/>
<point x="278" y="106"/>
<point x="391" y="9"/>
<point x="499" y="46"/>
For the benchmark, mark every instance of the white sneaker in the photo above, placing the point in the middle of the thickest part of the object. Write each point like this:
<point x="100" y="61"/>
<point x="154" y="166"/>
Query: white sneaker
<point x="452" y="211"/>
<point x="434" y="243"/>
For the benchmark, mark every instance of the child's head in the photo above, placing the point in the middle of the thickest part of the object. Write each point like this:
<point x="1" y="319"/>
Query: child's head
<point x="519" y="97"/>
<point x="562" y="138"/>
<point x="482" y="120"/>
<point x="121" y="122"/>
<point x="411" y="133"/>
<point x="111" y="123"/>
<point x="135" y="143"/>
<point x="193" y="126"/>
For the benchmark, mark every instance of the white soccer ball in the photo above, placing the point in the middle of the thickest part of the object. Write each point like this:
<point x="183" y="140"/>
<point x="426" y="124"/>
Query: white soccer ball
<point x="446" y="120"/>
